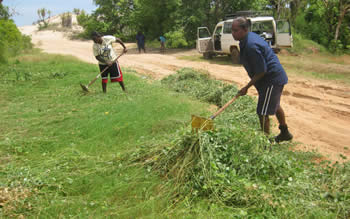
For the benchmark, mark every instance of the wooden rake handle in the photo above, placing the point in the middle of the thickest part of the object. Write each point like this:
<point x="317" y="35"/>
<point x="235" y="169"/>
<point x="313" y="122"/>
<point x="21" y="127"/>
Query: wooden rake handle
<point x="224" y="107"/>
<point x="105" y="69"/>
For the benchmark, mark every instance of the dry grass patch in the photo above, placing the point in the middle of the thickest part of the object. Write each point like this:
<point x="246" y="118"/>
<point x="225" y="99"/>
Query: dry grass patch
<point x="14" y="198"/>
<point x="319" y="66"/>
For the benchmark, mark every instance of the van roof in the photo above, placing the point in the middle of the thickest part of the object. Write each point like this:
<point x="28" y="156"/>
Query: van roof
<point x="248" y="13"/>
<point x="253" y="19"/>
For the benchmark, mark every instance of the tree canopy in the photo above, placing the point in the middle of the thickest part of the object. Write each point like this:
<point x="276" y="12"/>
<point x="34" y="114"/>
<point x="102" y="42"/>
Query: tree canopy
<point x="324" y="21"/>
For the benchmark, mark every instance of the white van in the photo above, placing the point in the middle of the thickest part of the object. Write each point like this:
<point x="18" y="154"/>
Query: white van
<point x="276" y="33"/>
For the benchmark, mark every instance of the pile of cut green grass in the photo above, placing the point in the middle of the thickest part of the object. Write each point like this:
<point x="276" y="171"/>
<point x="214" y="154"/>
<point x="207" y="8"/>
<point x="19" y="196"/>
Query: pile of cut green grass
<point x="236" y="167"/>
<point x="199" y="85"/>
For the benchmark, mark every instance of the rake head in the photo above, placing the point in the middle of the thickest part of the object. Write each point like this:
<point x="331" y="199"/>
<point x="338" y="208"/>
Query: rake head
<point x="84" y="87"/>
<point x="200" y="123"/>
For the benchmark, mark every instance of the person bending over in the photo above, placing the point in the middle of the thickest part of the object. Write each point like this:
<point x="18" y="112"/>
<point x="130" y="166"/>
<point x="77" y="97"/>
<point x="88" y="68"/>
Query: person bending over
<point x="266" y="74"/>
<point x="105" y="54"/>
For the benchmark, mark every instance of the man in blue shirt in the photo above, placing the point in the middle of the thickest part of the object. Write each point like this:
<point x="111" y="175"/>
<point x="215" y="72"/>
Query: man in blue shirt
<point x="266" y="74"/>
<point x="140" y="38"/>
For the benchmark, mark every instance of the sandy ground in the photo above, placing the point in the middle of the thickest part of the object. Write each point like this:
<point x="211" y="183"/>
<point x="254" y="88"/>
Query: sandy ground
<point x="317" y="112"/>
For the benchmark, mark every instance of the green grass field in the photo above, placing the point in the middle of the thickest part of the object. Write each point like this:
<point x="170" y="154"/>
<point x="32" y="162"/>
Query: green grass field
<point x="68" y="154"/>
<point x="62" y="149"/>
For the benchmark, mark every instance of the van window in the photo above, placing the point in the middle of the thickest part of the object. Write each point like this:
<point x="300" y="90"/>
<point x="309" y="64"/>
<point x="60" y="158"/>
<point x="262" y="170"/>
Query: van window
<point x="218" y="30"/>
<point x="283" y="27"/>
<point x="227" y="27"/>
<point x="262" y="26"/>
<point x="203" y="33"/>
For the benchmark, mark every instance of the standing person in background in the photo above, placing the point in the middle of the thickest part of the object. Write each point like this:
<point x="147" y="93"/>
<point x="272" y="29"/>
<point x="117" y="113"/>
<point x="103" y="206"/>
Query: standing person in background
<point x="266" y="74"/>
<point x="140" y="39"/>
<point x="161" y="39"/>
<point x="105" y="54"/>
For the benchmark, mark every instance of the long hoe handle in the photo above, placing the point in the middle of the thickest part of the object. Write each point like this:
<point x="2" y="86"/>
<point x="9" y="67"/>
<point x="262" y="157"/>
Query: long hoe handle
<point x="223" y="108"/>
<point x="97" y="76"/>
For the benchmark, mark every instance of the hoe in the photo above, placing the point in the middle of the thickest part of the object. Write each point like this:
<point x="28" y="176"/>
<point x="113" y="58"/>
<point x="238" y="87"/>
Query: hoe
<point x="86" y="88"/>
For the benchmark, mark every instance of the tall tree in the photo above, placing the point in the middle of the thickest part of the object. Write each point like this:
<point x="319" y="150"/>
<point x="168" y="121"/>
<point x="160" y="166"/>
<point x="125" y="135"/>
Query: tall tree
<point x="280" y="7"/>
<point x="4" y="12"/>
<point x="295" y="7"/>
<point x="327" y="22"/>
<point x="156" y="17"/>
<point x="344" y="8"/>
<point x="196" y="13"/>
<point x="42" y="13"/>
<point x="113" y="14"/>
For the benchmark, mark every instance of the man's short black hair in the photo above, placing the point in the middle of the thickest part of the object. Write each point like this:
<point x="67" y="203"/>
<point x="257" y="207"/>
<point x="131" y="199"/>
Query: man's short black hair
<point x="95" y="34"/>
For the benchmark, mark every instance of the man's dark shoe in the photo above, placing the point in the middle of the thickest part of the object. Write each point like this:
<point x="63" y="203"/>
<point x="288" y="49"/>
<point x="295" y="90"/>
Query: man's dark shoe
<point x="284" y="135"/>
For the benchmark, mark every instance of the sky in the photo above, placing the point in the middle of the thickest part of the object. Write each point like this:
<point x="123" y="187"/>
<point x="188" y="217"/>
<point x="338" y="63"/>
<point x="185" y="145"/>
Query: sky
<point x="26" y="10"/>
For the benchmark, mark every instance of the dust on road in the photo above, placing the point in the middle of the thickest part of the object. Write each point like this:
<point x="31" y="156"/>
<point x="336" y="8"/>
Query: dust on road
<point x="317" y="111"/>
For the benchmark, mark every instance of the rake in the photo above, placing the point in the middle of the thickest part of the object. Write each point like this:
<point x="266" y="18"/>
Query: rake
<point x="200" y="123"/>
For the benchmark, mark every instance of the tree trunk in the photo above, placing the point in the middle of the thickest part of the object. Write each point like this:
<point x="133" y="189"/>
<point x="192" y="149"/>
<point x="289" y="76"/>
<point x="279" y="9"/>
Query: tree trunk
<point x="208" y="14"/>
<point x="340" y="20"/>
<point x="295" y="7"/>
<point x="343" y="10"/>
<point x="328" y="17"/>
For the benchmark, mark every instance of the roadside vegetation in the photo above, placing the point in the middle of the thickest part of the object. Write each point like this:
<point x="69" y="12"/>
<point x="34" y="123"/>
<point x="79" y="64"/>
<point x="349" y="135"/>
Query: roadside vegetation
<point x="12" y="41"/>
<point x="67" y="153"/>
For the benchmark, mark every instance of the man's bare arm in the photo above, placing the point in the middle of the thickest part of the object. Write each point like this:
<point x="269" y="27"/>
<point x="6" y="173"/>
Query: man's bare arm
<point x="121" y="43"/>
<point x="255" y="78"/>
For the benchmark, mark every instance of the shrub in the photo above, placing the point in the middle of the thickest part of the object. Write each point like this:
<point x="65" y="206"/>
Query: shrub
<point x="303" y="45"/>
<point x="12" y="42"/>
<point x="66" y="19"/>
<point x="2" y="52"/>
<point x="336" y="47"/>
<point x="176" y="39"/>
<point x="82" y="18"/>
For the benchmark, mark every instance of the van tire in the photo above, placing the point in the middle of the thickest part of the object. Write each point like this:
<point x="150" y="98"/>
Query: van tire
<point x="276" y="50"/>
<point x="235" y="56"/>
<point x="207" y="55"/>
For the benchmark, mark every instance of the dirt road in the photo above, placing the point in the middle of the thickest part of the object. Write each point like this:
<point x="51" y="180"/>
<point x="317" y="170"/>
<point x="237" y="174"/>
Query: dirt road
<point x="318" y="112"/>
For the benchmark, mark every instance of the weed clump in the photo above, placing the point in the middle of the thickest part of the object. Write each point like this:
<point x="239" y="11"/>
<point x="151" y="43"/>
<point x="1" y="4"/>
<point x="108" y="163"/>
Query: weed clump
<point x="199" y="85"/>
